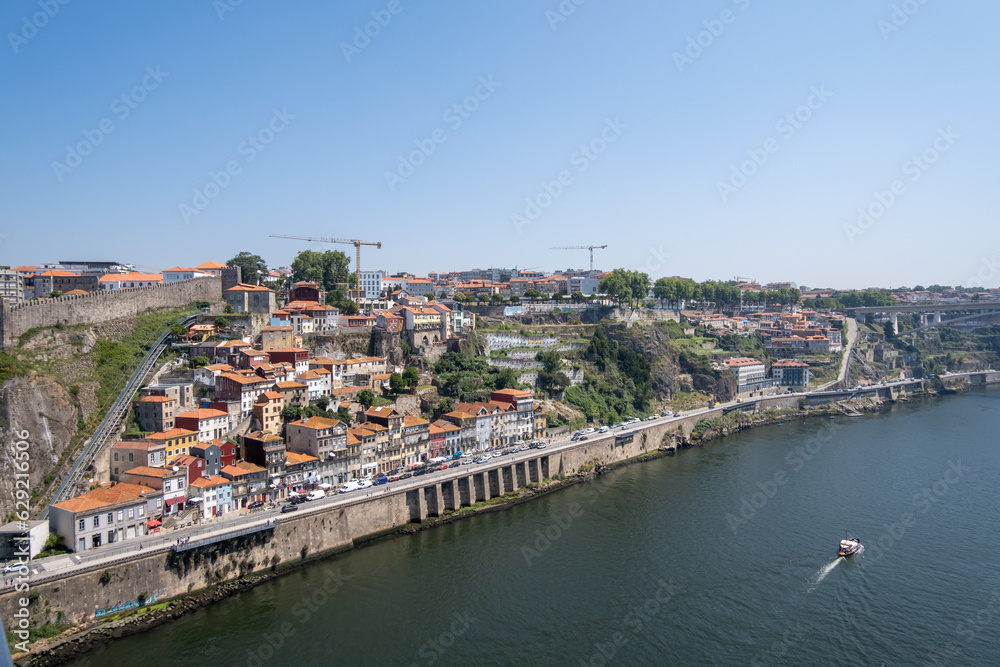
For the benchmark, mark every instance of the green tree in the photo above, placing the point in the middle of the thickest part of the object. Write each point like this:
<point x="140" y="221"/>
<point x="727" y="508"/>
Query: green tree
<point x="221" y="323"/>
<point x="396" y="383"/>
<point x="366" y="398"/>
<point x="514" y="299"/>
<point x="617" y="287"/>
<point x="291" y="413"/>
<point x="532" y="294"/>
<point x="429" y="296"/>
<point x="55" y="294"/>
<point x="199" y="361"/>
<point x="329" y="269"/>
<point x="253" y="267"/>
<point x="496" y="298"/>
<point x="229" y="310"/>
<point x="576" y="297"/>
<point x="411" y="377"/>
<point x="178" y="331"/>
<point x="347" y="308"/>
<point x="890" y="331"/>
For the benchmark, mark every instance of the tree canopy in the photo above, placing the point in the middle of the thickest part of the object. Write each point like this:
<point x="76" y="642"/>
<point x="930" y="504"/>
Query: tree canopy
<point x="326" y="268"/>
<point x="253" y="267"/>
<point x="625" y="286"/>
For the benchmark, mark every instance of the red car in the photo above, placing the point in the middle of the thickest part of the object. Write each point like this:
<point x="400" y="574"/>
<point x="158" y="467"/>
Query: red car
<point x="394" y="478"/>
<point x="443" y="467"/>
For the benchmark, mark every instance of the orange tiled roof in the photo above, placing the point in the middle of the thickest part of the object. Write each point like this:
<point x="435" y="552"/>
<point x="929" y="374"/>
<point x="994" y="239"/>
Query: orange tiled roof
<point x="203" y="413"/>
<point x="102" y="497"/>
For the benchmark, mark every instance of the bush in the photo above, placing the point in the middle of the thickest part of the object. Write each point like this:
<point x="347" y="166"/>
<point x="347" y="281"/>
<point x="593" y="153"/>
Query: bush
<point x="106" y="577"/>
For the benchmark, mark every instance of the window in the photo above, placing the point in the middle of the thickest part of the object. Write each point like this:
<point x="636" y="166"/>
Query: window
<point x="131" y="513"/>
<point x="111" y="518"/>
<point x="116" y="456"/>
<point x="82" y="526"/>
<point x="142" y="509"/>
<point x="180" y="484"/>
<point x="119" y="515"/>
<point x="158" y="503"/>
<point x="130" y="456"/>
<point x="97" y="522"/>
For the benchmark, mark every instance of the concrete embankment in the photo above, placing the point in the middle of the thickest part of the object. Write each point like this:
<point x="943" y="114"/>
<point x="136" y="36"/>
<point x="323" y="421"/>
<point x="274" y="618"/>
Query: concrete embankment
<point x="204" y="575"/>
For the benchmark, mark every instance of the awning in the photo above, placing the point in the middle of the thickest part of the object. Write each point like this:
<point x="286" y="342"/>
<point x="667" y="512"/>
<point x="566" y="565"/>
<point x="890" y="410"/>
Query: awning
<point x="326" y="486"/>
<point x="154" y="523"/>
<point x="173" y="501"/>
<point x="195" y="499"/>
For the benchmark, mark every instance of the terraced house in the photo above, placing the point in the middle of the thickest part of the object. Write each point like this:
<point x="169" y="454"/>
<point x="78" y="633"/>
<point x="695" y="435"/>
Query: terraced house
<point x="105" y="515"/>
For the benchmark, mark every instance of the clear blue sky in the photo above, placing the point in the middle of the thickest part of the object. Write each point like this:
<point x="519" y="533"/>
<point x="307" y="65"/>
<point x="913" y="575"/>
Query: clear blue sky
<point x="653" y="195"/>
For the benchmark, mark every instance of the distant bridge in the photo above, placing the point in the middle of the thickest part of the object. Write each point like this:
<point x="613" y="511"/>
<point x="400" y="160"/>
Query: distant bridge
<point x="930" y="313"/>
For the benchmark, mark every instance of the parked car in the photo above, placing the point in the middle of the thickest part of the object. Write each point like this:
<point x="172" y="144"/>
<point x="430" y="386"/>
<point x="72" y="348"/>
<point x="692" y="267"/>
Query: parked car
<point x="289" y="508"/>
<point x="444" y="466"/>
<point x="15" y="567"/>
<point x="364" y="483"/>
<point x="467" y="462"/>
<point x="541" y="445"/>
<point x="381" y="480"/>
<point x="605" y="429"/>
<point x="482" y="459"/>
<point x="255" y="505"/>
<point x="316" y="495"/>
<point x="347" y="487"/>
<point x="394" y="478"/>
<point x="406" y="475"/>
<point x="455" y="464"/>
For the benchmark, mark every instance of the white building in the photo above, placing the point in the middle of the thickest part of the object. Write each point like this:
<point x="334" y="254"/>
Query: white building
<point x="371" y="284"/>
<point x="748" y="371"/>
<point x="180" y="273"/>
<point x="104" y="515"/>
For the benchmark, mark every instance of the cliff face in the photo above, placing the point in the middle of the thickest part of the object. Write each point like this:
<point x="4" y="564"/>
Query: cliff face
<point x="40" y="406"/>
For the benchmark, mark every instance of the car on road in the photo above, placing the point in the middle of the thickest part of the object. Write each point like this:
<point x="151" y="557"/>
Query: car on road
<point x="406" y="475"/>
<point x="481" y="459"/>
<point x="444" y="466"/>
<point x="394" y="478"/>
<point x="605" y="429"/>
<point x="364" y="483"/>
<point x="255" y="505"/>
<point x="316" y="495"/>
<point x="289" y="508"/>
<point x="467" y="462"/>
<point x="15" y="567"/>
<point x="347" y="487"/>
<point x="455" y="464"/>
<point x="541" y="445"/>
<point x="381" y="480"/>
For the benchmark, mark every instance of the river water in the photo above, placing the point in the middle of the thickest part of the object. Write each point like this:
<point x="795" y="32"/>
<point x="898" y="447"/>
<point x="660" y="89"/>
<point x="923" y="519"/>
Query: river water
<point x="722" y="555"/>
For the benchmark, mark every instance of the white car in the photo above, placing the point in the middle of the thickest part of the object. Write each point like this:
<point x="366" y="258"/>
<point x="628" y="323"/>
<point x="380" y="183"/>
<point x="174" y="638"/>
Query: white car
<point x="347" y="487"/>
<point x="364" y="483"/>
<point x="316" y="495"/>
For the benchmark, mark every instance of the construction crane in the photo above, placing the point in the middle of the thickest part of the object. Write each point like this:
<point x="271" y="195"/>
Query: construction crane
<point x="357" y="248"/>
<point x="582" y="247"/>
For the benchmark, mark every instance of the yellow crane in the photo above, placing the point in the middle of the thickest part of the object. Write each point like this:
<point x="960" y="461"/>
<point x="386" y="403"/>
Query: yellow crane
<point x="582" y="247"/>
<point x="357" y="248"/>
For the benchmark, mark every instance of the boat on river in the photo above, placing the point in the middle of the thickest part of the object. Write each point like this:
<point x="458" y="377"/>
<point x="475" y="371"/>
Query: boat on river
<point x="849" y="546"/>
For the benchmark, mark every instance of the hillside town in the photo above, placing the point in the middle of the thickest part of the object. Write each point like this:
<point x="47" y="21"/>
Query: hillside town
<point x="263" y="412"/>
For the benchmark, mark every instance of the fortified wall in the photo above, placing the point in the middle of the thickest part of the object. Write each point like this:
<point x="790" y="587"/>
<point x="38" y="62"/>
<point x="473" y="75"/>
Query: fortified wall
<point x="102" y="306"/>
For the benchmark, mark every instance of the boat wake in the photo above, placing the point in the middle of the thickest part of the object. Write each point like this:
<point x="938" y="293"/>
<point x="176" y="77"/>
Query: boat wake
<point x="825" y="570"/>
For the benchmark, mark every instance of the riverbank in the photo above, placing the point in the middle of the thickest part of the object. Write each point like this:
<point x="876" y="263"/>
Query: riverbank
<point x="92" y="636"/>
